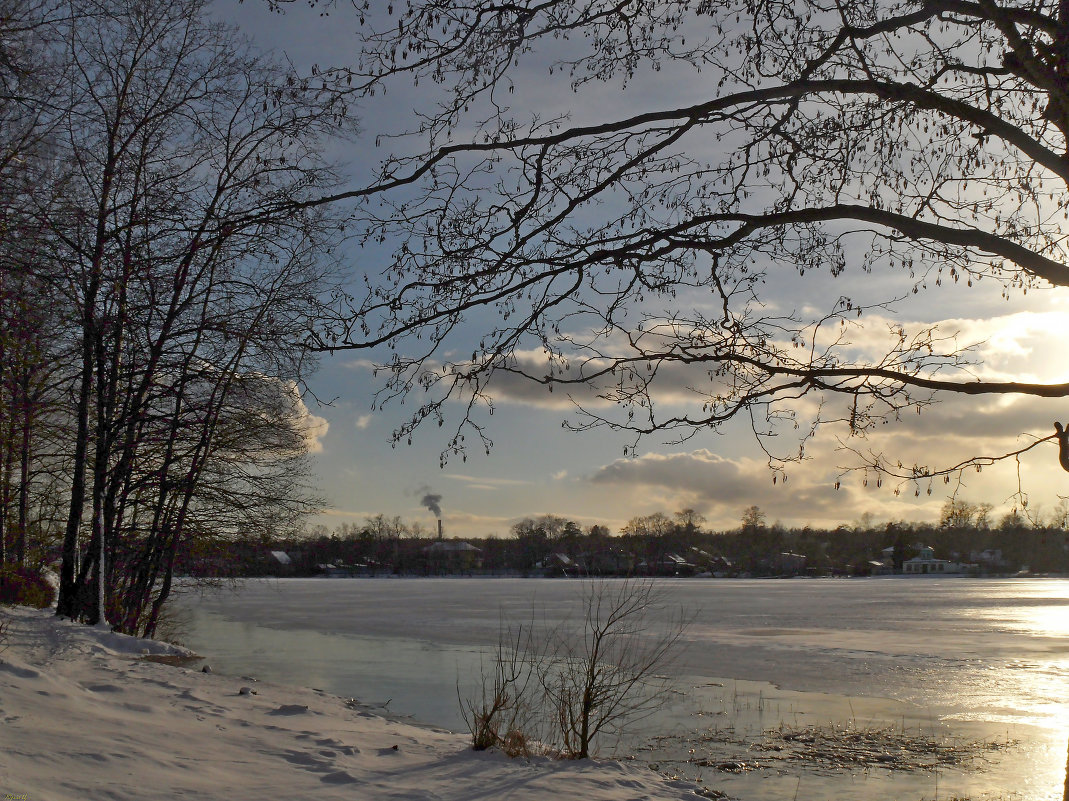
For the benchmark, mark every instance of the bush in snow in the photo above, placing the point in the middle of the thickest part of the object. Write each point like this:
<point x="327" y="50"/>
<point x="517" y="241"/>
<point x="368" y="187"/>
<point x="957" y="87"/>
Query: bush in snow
<point x="588" y="677"/>
<point x="25" y="587"/>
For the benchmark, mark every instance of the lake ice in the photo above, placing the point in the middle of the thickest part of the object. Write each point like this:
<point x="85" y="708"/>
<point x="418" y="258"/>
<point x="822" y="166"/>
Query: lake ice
<point x="961" y="658"/>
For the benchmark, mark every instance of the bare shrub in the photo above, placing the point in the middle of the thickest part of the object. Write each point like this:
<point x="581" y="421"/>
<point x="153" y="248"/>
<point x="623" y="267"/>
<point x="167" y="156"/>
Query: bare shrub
<point x="174" y="624"/>
<point x="515" y="743"/>
<point x="25" y="587"/>
<point x="502" y="711"/>
<point x="604" y="676"/>
<point x="566" y="686"/>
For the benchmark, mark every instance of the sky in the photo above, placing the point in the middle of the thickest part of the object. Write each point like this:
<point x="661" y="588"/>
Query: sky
<point x="536" y="467"/>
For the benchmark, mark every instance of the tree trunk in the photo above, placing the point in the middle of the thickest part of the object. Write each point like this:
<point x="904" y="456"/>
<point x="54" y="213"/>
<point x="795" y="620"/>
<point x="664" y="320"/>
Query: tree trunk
<point x="68" y="589"/>
<point x="3" y="510"/>
<point x="102" y="574"/>
<point x="584" y="726"/>
<point x="1065" y="790"/>
<point x="5" y="411"/>
<point x="24" y="474"/>
<point x="8" y="469"/>
<point x="90" y="333"/>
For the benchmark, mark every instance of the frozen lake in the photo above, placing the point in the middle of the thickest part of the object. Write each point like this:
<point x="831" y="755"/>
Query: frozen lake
<point x="971" y="660"/>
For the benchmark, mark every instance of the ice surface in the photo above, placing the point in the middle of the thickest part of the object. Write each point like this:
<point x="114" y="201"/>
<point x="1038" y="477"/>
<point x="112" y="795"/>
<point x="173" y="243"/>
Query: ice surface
<point x="968" y="658"/>
<point x="945" y="642"/>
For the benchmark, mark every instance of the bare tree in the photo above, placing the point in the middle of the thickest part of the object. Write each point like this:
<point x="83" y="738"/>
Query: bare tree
<point x="183" y="275"/>
<point x="604" y="674"/>
<point x="581" y="680"/>
<point x="30" y="80"/>
<point x="922" y="141"/>
<point x="27" y="394"/>
<point x="503" y="710"/>
<point x="958" y="513"/>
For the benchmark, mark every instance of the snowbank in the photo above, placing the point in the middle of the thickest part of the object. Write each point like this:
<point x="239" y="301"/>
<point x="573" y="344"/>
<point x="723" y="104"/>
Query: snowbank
<point x="84" y="715"/>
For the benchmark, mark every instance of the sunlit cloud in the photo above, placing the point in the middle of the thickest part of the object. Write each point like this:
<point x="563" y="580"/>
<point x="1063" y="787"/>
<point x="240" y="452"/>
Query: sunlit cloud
<point x="313" y="428"/>
<point x="816" y="492"/>
<point x="357" y="364"/>
<point x="315" y="431"/>
<point x="720" y="488"/>
<point x="491" y="481"/>
<point x="1024" y="346"/>
<point x="346" y="515"/>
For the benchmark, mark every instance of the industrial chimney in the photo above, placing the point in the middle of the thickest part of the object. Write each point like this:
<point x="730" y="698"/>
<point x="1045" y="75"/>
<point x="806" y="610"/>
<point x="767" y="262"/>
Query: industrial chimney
<point x="439" y="528"/>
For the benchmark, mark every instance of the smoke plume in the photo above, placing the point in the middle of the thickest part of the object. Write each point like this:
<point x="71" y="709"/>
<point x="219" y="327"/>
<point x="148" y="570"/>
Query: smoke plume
<point x="433" y="502"/>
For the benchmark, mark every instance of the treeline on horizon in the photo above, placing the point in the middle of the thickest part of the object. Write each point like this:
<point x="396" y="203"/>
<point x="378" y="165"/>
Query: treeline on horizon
<point x="656" y="544"/>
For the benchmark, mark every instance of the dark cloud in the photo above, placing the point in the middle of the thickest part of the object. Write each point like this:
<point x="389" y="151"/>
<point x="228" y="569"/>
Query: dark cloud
<point x="722" y="488"/>
<point x="671" y="385"/>
<point x="700" y="472"/>
<point x="986" y="418"/>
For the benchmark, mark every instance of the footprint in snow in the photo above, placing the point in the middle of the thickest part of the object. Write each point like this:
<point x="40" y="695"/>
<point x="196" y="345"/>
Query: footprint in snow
<point x="290" y="709"/>
<point x="338" y="777"/>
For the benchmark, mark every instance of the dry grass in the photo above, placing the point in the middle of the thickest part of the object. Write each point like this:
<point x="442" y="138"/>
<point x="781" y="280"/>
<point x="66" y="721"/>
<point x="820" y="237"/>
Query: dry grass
<point x="889" y="747"/>
<point x="834" y="748"/>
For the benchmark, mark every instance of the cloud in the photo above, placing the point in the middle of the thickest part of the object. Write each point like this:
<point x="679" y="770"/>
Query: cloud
<point x="312" y="427"/>
<point x="514" y="388"/>
<point x="315" y="431"/>
<point x="721" y="488"/>
<point x="1016" y="346"/>
<point x="990" y="421"/>
<point x="347" y="514"/>
<point x="700" y="472"/>
<point x="358" y="364"/>
<point x="486" y="481"/>
<point x="1024" y="346"/>
<point x="674" y="383"/>
<point x="363" y="421"/>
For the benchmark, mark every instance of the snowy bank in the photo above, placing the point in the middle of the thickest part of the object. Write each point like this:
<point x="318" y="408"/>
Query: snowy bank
<point x="84" y="715"/>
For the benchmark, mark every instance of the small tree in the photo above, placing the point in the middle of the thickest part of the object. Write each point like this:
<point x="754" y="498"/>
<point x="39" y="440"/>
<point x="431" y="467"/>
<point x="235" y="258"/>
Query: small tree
<point x="504" y="710"/>
<point x="605" y="676"/>
<point x="957" y="513"/>
<point x="753" y="519"/>
<point x="593" y="679"/>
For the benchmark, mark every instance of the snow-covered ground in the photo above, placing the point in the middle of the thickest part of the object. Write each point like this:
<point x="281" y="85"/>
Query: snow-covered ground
<point x="83" y="715"/>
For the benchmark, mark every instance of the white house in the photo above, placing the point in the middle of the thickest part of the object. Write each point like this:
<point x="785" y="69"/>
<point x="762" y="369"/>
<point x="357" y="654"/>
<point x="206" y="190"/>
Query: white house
<point x="926" y="562"/>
